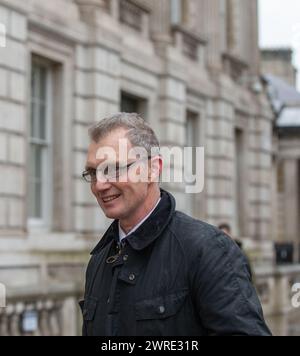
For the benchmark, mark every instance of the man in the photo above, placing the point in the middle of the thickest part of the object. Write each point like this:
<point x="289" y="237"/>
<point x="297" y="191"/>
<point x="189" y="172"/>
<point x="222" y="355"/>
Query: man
<point x="157" y="271"/>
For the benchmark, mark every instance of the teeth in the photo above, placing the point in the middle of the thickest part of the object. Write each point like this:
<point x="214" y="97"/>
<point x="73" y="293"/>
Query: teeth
<point x="110" y="198"/>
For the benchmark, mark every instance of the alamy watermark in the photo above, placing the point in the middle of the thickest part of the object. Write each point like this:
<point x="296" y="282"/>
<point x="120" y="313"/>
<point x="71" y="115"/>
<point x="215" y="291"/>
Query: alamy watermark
<point x="2" y="35"/>
<point x="180" y="165"/>
<point x="296" y="295"/>
<point x="2" y="296"/>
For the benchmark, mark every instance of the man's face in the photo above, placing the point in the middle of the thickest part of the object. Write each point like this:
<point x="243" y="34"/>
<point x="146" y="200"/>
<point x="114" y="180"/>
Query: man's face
<point x="118" y="200"/>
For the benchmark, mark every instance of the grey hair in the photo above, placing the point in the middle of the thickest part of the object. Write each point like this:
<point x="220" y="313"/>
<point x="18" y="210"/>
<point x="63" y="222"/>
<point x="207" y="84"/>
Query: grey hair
<point x="140" y="134"/>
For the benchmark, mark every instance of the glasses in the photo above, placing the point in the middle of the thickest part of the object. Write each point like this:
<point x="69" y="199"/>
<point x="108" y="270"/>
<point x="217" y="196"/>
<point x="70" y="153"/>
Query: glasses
<point x="109" y="172"/>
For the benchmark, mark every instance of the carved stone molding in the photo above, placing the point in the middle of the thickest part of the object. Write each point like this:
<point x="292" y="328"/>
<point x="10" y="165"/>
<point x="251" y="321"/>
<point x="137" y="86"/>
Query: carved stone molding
<point x="90" y="9"/>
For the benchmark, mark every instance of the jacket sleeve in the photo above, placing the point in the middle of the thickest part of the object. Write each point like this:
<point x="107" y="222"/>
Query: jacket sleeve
<point x="84" y="331"/>
<point x="224" y="297"/>
<point x="89" y="270"/>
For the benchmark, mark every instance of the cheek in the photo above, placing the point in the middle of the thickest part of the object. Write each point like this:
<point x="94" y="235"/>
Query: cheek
<point x="131" y="191"/>
<point x="93" y="190"/>
<point x="138" y="192"/>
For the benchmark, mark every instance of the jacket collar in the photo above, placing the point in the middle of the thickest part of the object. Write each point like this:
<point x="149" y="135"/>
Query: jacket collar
<point x="149" y="231"/>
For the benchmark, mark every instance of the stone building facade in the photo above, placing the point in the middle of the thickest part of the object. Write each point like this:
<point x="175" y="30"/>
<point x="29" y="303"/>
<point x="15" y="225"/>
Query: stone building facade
<point x="190" y="67"/>
<point x="279" y="62"/>
<point x="280" y="76"/>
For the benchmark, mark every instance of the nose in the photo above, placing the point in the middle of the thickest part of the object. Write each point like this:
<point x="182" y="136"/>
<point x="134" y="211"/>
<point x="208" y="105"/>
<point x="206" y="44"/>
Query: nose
<point x="101" y="185"/>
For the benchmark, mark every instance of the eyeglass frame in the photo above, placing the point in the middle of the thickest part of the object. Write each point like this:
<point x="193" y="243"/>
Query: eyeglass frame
<point x="86" y="172"/>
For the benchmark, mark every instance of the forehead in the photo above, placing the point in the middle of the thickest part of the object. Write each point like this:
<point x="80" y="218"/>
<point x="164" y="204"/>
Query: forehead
<point x="111" y="142"/>
<point x="113" y="138"/>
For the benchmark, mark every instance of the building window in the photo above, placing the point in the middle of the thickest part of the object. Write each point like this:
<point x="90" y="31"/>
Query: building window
<point x="131" y="15"/>
<point x="239" y="184"/>
<point x="40" y="162"/>
<point x="133" y="104"/>
<point x="190" y="47"/>
<point x="190" y="43"/>
<point x="190" y="161"/>
<point x="129" y="104"/>
<point x="192" y="139"/>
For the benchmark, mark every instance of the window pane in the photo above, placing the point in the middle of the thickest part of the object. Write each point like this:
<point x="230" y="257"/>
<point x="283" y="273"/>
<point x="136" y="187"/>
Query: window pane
<point x="38" y="200"/>
<point x="35" y="209"/>
<point x="42" y="121"/>
<point x="129" y="104"/>
<point x="31" y="200"/>
<point x="35" y="181"/>
<point x="34" y="82"/>
<point x="38" y="163"/>
<point x="38" y="99"/>
<point x="43" y="86"/>
<point x="35" y="162"/>
<point x="32" y="121"/>
<point x="32" y="162"/>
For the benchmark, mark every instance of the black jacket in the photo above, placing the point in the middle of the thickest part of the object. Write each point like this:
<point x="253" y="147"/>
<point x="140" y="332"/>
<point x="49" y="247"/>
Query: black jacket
<point x="174" y="276"/>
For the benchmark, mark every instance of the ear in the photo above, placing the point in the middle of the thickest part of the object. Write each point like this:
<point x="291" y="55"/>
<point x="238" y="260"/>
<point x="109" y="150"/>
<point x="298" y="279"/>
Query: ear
<point x="155" y="170"/>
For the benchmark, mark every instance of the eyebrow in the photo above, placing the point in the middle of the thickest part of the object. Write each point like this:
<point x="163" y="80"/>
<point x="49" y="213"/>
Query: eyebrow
<point x="88" y="166"/>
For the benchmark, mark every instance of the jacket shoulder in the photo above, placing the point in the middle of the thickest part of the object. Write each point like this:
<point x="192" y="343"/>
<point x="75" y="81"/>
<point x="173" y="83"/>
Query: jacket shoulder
<point x="186" y="228"/>
<point x="196" y="236"/>
<point x="219" y="278"/>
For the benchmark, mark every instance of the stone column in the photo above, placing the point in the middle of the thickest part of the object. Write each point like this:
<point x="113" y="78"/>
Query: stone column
<point x="245" y="33"/>
<point x="210" y="28"/>
<point x="254" y="55"/>
<point x="69" y="317"/>
<point x="160" y="23"/>
<point x="233" y="25"/>
<point x="291" y="201"/>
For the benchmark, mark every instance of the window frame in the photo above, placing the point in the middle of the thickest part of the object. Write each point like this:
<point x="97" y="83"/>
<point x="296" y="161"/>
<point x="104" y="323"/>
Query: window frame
<point x="44" y="222"/>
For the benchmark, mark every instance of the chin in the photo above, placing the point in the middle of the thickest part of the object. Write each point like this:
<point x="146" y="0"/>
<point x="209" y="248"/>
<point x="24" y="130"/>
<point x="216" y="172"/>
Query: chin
<point x="111" y="214"/>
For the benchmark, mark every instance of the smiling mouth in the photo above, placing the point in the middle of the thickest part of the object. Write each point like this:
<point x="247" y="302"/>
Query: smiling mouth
<point x="111" y="198"/>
